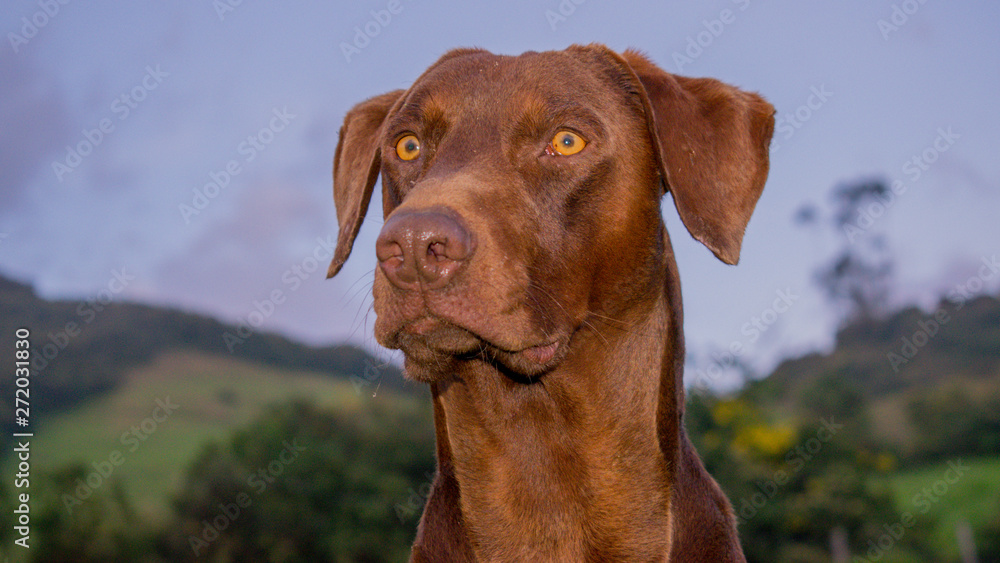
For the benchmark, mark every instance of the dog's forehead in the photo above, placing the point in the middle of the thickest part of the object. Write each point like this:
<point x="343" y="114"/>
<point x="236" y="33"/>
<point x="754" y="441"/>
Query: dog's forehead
<point x="531" y="66"/>
<point x="504" y="84"/>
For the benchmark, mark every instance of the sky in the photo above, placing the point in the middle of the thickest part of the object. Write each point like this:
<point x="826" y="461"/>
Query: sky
<point x="180" y="153"/>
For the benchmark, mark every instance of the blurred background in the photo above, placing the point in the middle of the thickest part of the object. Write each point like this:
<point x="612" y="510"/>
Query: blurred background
<point x="200" y="392"/>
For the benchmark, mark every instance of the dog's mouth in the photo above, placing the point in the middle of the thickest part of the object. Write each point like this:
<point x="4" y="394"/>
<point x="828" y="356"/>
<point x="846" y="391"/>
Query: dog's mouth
<point x="429" y="341"/>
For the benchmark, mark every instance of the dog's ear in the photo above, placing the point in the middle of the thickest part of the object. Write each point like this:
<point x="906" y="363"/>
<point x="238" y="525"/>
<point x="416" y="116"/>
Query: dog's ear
<point x="712" y="143"/>
<point x="356" y="167"/>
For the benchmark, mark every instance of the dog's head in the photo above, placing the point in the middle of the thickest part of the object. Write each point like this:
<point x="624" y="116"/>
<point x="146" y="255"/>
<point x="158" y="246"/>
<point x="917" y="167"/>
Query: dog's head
<point x="521" y="196"/>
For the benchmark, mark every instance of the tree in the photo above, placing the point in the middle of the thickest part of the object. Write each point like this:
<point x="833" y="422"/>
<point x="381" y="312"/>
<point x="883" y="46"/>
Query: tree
<point x="304" y="484"/>
<point x="73" y="522"/>
<point x="857" y="279"/>
<point x="792" y="482"/>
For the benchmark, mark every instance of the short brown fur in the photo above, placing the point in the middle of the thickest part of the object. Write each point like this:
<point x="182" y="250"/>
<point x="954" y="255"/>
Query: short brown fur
<point x="551" y="334"/>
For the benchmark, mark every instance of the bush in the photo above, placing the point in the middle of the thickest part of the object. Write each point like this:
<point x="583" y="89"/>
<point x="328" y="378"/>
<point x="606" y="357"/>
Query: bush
<point x="302" y="484"/>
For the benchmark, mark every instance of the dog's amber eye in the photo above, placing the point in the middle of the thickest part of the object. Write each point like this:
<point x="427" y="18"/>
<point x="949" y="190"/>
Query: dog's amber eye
<point x="408" y="147"/>
<point x="567" y="143"/>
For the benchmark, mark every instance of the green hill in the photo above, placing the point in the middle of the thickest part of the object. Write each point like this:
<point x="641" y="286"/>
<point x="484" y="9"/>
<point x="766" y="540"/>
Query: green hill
<point x="972" y="498"/>
<point x="208" y="397"/>
<point x="85" y="348"/>
<point x="911" y="396"/>
<point x="844" y="440"/>
<point x="911" y="349"/>
<point x="896" y="370"/>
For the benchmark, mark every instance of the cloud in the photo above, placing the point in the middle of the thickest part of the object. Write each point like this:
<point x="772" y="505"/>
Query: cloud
<point x="36" y="124"/>
<point x="241" y="257"/>
<point x="965" y="173"/>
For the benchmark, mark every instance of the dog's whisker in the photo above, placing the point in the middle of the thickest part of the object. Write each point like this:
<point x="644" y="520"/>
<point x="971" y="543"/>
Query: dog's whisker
<point x="363" y="289"/>
<point x="358" y="326"/>
<point x="364" y="277"/>
<point x="592" y="327"/>
<point x="551" y="297"/>
<point x="609" y="320"/>
<point x="357" y="313"/>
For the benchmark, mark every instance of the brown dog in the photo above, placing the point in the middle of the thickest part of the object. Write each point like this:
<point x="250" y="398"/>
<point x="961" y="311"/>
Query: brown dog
<point x="526" y="274"/>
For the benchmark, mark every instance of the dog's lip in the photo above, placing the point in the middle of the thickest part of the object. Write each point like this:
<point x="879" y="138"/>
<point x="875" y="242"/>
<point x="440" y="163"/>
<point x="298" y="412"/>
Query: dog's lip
<point x="423" y="325"/>
<point x="541" y="354"/>
<point x="427" y="325"/>
<point x="532" y="359"/>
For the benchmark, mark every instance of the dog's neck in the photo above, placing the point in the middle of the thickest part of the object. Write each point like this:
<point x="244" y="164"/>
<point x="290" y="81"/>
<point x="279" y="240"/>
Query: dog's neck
<point x="575" y="466"/>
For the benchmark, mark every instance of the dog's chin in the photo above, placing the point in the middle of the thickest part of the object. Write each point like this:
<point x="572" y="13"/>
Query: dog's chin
<point x="433" y="349"/>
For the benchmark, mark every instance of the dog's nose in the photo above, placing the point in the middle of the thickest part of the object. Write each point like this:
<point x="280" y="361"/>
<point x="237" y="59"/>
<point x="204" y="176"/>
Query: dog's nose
<point x="422" y="248"/>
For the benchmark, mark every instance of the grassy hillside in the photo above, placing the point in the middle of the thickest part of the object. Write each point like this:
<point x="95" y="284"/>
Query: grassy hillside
<point x="214" y="395"/>
<point x="972" y="497"/>
<point x="909" y="393"/>
<point x="85" y="348"/>
<point x="910" y="350"/>
<point x="894" y="426"/>
<point x="907" y="375"/>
